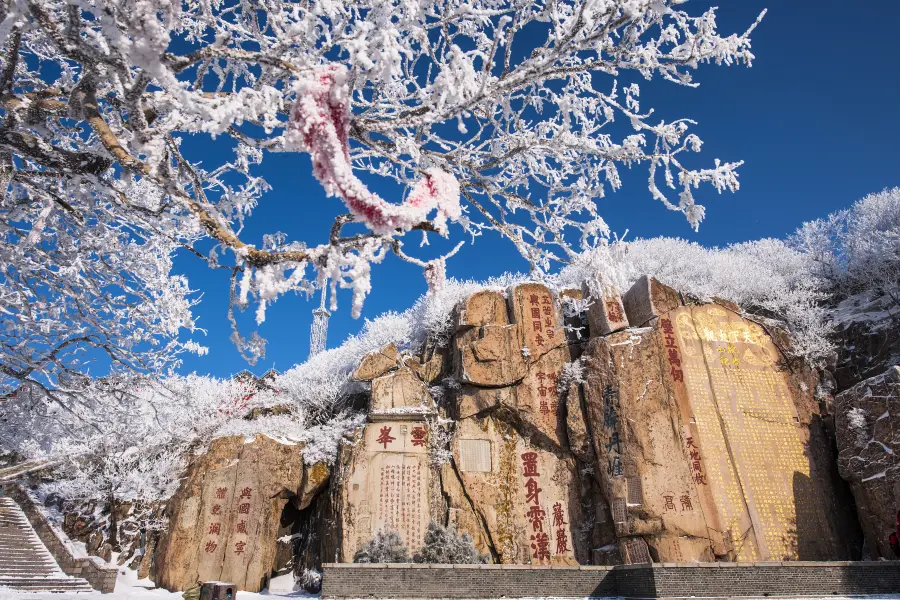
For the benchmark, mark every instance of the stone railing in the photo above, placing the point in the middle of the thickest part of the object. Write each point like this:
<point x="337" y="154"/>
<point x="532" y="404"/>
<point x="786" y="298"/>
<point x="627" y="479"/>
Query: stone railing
<point x="701" y="580"/>
<point x="101" y="576"/>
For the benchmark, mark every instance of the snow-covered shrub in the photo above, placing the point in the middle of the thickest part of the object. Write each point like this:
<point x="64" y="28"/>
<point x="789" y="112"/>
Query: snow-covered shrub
<point x="443" y="545"/>
<point x="386" y="547"/>
<point x="766" y="276"/>
<point x="310" y="580"/>
<point x="858" y="248"/>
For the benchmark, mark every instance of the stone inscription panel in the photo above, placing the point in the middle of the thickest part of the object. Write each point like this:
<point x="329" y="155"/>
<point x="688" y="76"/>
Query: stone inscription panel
<point x="475" y="455"/>
<point x="746" y="419"/>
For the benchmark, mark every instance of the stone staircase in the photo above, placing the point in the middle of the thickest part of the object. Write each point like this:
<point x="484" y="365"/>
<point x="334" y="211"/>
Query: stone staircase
<point x="25" y="563"/>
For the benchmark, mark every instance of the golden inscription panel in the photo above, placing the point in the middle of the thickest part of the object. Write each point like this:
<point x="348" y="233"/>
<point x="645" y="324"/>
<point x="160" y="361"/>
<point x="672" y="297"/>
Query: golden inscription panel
<point x="750" y="443"/>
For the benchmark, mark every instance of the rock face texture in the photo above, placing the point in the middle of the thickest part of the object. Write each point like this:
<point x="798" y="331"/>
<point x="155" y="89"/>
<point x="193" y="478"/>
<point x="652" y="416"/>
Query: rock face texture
<point x="705" y="443"/>
<point x="688" y="439"/>
<point x="225" y="518"/>
<point x="645" y="428"/>
<point x="867" y="422"/>
<point x="509" y="479"/>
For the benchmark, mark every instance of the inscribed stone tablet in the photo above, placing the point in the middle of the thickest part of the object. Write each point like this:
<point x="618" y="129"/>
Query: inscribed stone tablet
<point x="618" y="510"/>
<point x="475" y="455"/>
<point x="636" y="551"/>
<point x="635" y="492"/>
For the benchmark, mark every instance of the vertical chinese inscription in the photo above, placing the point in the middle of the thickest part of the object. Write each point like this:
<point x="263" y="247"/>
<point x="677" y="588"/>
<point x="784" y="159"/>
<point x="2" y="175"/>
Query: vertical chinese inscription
<point x="400" y="500"/>
<point x="542" y="524"/>
<point x="610" y="424"/>
<point x="539" y="320"/>
<point x="540" y="540"/>
<point x="741" y="402"/>
<point x="548" y="395"/>
<point x="671" y="350"/>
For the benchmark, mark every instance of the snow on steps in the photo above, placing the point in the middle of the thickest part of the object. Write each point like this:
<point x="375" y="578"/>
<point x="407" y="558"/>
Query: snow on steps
<point x="25" y="563"/>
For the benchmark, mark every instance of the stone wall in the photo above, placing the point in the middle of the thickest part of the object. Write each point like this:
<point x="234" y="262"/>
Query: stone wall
<point x="101" y="576"/>
<point x="700" y="580"/>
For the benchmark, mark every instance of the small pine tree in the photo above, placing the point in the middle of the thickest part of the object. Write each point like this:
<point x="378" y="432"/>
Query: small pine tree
<point x="386" y="547"/>
<point x="443" y="545"/>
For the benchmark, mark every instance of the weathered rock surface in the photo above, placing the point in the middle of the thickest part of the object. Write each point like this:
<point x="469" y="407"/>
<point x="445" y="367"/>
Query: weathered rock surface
<point x="383" y="484"/>
<point x="688" y="440"/>
<point x="648" y="298"/>
<point x="482" y="308"/>
<point x="867" y="422"/>
<point x="376" y="364"/>
<point x="523" y="496"/>
<point x="533" y="309"/>
<point x="606" y="314"/>
<point x="400" y="389"/>
<point x="494" y="358"/>
<point x="225" y="516"/>
<point x="706" y="448"/>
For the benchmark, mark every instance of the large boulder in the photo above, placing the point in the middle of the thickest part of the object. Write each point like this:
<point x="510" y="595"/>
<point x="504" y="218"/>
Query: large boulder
<point x="706" y="447"/>
<point x="376" y="364"/>
<point x="867" y="424"/>
<point x="225" y="517"/>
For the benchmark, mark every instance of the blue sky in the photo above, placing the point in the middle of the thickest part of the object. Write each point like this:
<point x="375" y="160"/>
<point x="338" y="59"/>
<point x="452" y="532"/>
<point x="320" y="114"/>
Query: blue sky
<point x="815" y="120"/>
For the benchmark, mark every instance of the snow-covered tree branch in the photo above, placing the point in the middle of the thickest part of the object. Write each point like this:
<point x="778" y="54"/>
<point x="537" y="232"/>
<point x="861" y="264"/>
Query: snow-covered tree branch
<point x="512" y="117"/>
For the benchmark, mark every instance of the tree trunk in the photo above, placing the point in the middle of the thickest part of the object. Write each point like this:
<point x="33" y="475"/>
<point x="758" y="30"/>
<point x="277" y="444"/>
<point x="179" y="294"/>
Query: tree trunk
<point x="113" y="522"/>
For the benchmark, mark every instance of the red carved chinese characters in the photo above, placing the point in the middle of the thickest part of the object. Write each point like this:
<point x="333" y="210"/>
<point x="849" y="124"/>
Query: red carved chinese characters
<point x="245" y="493"/>
<point x="696" y="462"/>
<point x="244" y="509"/>
<point x="220" y="493"/>
<point x="532" y="491"/>
<point x="385" y="438"/>
<point x="529" y="464"/>
<point x="669" y="502"/>
<point x="419" y="435"/>
<point x="548" y="393"/>
<point x="541" y="310"/>
<point x="540" y="543"/>
<point x="558" y="518"/>
<point x="562" y="541"/>
<point x="239" y="547"/>
<point x="671" y="350"/>
<point x="217" y="509"/>
<point x="215" y="529"/>
<point x="614" y="311"/>
<point x="210" y="547"/>
<point x="399" y="505"/>
<point x="536" y="516"/>
<point x="241" y="527"/>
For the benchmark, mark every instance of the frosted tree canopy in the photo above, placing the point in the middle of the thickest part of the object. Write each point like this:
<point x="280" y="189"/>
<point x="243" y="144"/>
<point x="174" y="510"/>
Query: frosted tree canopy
<point x="487" y="116"/>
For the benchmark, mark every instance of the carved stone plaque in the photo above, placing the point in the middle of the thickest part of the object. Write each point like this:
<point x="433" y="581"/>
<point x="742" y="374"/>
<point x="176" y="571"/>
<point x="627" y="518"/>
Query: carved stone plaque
<point x="636" y="551"/>
<point x="635" y="493"/>
<point x="475" y="455"/>
<point x="618" y="510"/>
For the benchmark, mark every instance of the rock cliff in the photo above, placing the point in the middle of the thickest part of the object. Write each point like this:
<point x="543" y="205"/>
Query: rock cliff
<point x="663" y="429"/>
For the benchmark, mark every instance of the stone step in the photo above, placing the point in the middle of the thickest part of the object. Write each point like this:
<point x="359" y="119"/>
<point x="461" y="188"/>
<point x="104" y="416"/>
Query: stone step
<point x="25" y="563"/>
<point x="47" y="585"/>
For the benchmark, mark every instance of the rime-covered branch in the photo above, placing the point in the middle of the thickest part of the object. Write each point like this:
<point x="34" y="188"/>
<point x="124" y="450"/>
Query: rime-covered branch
<point x="512" y="118"/>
